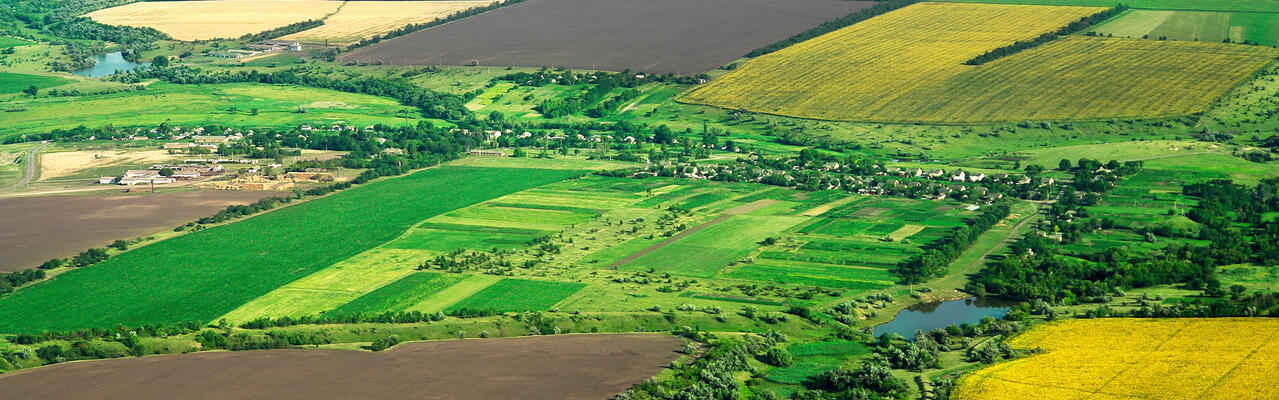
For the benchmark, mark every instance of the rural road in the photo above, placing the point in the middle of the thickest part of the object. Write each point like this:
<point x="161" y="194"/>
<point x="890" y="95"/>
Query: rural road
<point x="29" y="172"/>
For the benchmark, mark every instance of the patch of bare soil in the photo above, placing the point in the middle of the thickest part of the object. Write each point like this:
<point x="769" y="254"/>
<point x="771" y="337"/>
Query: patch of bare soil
<point x="36" y="229"/>
<point x="542" y="367"/>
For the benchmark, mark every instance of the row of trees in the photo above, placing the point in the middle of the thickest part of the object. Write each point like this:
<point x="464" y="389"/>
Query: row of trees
<point x="1020" y="45"/>
<point x="938" y="255"/>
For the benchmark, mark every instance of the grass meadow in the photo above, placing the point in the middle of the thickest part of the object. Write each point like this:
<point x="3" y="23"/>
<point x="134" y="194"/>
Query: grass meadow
<point x="519" y="295"/>
<point x="401" y="294"/>
<point x="200" y="276"/>
<point x="11" y="82"/>
<point x="200" y="104"/>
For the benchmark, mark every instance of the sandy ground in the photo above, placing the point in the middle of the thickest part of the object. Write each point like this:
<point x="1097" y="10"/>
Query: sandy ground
<point x="562" y="367"/>
<point x="36" y="229"/>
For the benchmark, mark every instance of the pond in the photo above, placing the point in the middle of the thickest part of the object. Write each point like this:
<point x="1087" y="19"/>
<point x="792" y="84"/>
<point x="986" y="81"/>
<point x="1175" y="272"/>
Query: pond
<point x="929" y="316"/>
<point x="107" y="64"/>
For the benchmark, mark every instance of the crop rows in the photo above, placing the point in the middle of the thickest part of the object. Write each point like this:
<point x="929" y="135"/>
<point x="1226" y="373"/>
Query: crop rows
<point x="907" y="66"/>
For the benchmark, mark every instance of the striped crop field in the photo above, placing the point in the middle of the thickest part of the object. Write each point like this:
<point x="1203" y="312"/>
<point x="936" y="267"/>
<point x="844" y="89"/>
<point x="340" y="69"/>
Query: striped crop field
<point x="202" y="20"/>
<point x="908" y="66"/>
<point x="1130" y="359"/>
<point x="364" y="19"/>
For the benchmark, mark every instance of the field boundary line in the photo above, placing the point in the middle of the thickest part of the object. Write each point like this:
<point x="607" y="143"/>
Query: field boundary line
<point x="1260" y="344"/>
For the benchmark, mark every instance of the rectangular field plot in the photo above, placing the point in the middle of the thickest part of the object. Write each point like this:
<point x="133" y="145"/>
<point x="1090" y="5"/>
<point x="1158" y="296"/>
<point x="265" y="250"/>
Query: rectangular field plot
<point x="653" y="36"/>
<point x="1203" y="26"/>
<point x="401" y="294"/>
<point x="332" y="286"/>
<point x="908" y="66"/>
<point x="854" y="244"/>
<point x="705" y="252"/>
<point x="813" y="274"/>
<point x="519" y="295"/>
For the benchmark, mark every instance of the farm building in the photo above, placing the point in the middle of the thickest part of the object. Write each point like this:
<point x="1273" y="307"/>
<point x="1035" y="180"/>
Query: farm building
<point x="495" y="153"/>
<point x="211" y="139"/>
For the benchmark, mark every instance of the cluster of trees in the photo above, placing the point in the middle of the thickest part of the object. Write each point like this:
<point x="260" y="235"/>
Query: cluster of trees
<point x="14" y="279"/>
<point x="384" y="318"/>
<point x="385" y="343"/>
<point x="1231" y="222"/>
<point x="213" y="339"/>
<point x="857" y="16"/>
<point x="938" y="255"/>
<point x="711" y="377"/>
<point x="1020" y="45"/>
<point x="236" y="211"/>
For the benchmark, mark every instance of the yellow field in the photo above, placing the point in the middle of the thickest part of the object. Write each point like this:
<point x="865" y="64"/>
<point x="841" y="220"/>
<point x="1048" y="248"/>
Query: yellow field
<point x="199" y="20"/>
<point x="1132" y="359"/>
<point x="363" y="19"/>
<point x="907" y="66"/>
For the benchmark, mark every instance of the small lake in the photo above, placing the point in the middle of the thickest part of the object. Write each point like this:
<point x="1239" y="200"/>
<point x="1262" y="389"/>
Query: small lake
<point x="929" y="316"/>
<point x="107" y="64"/>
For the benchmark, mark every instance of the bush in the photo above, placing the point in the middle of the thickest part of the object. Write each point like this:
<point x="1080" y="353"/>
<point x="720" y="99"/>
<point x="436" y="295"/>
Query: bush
<point x="385" y="343"/>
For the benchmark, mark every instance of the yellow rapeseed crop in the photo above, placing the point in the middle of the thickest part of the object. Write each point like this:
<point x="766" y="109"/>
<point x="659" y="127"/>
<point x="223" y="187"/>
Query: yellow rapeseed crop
<point x="907" y="66"/>
<point x="198" y="20"/>
<point x="363" y="19"/>
<point x="1131" y="359"/>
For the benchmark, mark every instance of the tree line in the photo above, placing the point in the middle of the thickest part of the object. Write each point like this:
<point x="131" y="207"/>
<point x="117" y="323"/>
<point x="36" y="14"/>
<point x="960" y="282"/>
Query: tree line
<point x="1020" y="45"/>
<point x="938" y="255"/>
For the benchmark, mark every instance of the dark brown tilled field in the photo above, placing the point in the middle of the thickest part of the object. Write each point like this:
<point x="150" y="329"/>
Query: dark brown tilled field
<point x="654" y="36"/>
<point x="544" y="367"/>
<point x="36" y="229"/>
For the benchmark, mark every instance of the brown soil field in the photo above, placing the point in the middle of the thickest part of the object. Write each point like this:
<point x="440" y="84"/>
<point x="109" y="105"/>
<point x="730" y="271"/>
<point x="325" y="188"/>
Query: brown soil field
<point x="542" y="367"/>
<point x="654" y="36"/>
<point x="38" y="228"/>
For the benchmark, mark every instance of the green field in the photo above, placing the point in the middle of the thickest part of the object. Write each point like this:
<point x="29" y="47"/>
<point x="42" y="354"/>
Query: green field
<point x="201" y="104"/>
<point x="7" y="42"/>
<point x="519" y="295"/>
<point x="200" y="276"/>
<point x="401" y="294"/>
<point x="14" y="82"/>
<point x="1206" y="26"/>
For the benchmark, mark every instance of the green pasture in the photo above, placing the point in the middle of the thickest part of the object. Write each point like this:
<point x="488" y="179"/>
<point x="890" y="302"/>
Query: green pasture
<point x="519" y="295"/>
<point x="277" y="106"/>
<point x="812" y="274"/>
<point x="1204" y="26"/>
<point x="401" y="294"/>
<point x="332" y="286"/>
<point x="181" y="279"/>
<point x="7" y="42"/>
<point x="11" y="82"/>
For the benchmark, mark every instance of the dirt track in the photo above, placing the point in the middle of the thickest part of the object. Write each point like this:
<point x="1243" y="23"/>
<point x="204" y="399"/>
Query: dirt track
<point x="36" y="229"/>
<point x="544" y="367"/>
<point x="654" y="36"/>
